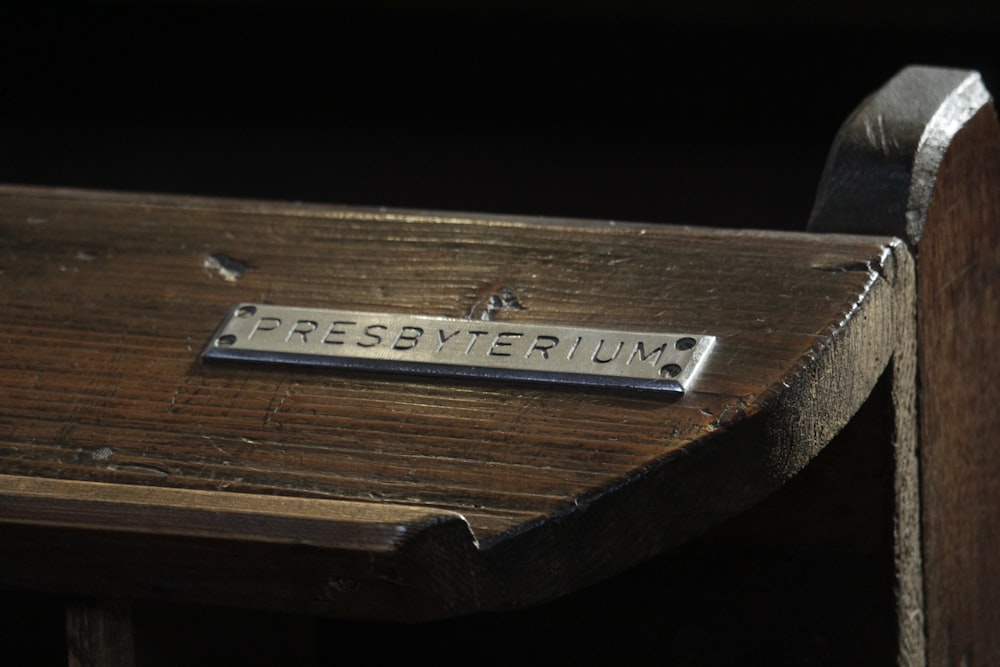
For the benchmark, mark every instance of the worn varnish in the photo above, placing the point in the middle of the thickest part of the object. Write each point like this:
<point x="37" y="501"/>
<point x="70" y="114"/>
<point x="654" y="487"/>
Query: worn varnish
<point x="941" y="153"/>
<point x="389" y="496"/>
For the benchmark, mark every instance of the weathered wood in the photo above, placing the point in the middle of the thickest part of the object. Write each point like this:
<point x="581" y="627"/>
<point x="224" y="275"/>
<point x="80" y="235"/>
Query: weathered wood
<point x="401" y="497"/>
<point x="960" y="315"/>
<point x="928" y="147"/>
<point x="99" y="633"/>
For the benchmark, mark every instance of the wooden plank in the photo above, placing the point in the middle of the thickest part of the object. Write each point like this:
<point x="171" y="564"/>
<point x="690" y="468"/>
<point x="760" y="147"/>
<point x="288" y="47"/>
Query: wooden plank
<point x="937" y="152"/>
<point x="514" y="493"/>
<point x="99" y="633"/>
<point x="369" y="527"/>
<point x="959" y="316"/>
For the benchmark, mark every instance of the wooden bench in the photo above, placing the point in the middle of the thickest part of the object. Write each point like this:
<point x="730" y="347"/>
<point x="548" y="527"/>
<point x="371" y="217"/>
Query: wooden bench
<point x="825" y="488"/>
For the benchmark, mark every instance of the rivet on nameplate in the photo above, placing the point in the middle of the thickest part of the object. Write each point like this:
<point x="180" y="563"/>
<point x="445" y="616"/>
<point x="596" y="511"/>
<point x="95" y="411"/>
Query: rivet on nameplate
<point x="443" y="346"/>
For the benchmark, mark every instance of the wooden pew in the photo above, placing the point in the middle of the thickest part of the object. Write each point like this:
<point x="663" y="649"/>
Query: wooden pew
<point x="822" y="489"/>
<point x="922" y="161"/>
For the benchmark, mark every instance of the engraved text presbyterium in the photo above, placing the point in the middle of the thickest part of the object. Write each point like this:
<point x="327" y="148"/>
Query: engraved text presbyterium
<point x="460" y="348"/>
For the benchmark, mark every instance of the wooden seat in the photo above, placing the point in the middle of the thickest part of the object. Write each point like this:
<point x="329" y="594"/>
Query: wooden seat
<point x="134" y="470"/>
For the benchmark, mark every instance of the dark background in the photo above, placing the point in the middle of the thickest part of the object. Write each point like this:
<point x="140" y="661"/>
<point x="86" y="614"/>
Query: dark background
<point x="712" y="113"/>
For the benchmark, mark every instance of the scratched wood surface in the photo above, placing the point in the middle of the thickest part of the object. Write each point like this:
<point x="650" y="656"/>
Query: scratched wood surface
<point x="940" y="149"/>
<point x="959" y="260"/>
<point x="389" y="496"/>
<point x="959" y="263"/>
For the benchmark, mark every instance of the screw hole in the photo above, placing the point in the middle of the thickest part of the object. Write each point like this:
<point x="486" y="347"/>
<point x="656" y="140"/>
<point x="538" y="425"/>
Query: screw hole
<point x="685" y="344"/>
<point x="225" y="341"/>
<point x="247" y="311"/>
<point x="671" y="370"/>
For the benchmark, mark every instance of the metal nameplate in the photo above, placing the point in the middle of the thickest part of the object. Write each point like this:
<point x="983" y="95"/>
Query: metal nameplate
<point x="460" y="348"/>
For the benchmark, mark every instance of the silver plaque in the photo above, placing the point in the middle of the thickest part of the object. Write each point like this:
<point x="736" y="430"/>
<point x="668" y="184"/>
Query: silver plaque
<point x="455" y="347"/>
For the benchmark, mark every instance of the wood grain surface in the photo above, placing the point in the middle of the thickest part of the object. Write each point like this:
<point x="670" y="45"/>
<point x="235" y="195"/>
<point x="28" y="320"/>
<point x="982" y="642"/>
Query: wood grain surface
<point x="445" y="495"/>
<point x="935" y="167"/>
<point x="959" y="305"/>
<point x="99" y="633"/>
